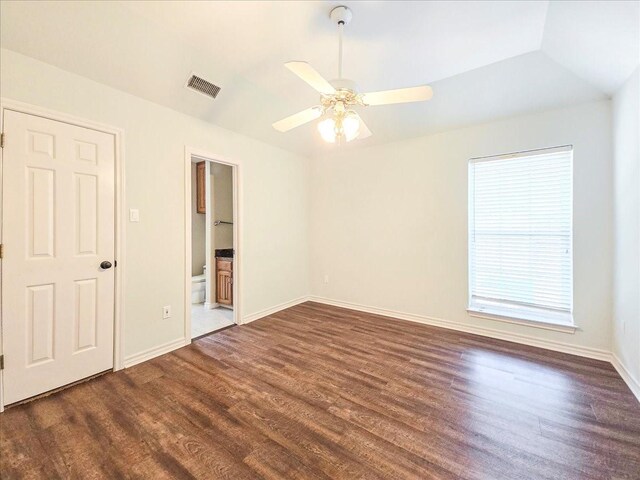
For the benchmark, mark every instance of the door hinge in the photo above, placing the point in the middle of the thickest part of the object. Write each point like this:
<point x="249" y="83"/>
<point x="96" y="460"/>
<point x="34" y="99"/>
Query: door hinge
<point x="1" y="362"/>
<point x="1" y="140"/>
<point x="1" y="250"/>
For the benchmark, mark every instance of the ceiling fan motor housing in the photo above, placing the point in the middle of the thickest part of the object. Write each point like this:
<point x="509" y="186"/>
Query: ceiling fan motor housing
<point x="344" y="84"/>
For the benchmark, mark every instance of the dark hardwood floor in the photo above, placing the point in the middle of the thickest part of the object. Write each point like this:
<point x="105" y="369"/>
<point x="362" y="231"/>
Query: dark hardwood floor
<point x="317" y="392"/>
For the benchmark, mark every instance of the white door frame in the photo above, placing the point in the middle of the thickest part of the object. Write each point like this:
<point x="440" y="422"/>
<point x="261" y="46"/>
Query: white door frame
<point x="189" y="153"/>
<point x="120" y="215"/>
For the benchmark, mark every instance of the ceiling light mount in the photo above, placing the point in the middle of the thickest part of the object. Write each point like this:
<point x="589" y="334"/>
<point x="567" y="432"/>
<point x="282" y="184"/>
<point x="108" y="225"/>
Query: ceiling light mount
<point x="341" y="15"/>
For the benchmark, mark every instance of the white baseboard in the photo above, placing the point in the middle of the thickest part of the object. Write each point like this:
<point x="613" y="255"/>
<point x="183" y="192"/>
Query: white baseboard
<point x="629" y="379"/>
<point x="181" y="342"/>
<point x="588" y="352"/>
<point x="145" y="355"/>
<point x="269" y="311"/>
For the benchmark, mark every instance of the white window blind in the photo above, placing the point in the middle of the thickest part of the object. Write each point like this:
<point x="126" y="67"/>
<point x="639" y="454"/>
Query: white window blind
<point x="520" y="235"/>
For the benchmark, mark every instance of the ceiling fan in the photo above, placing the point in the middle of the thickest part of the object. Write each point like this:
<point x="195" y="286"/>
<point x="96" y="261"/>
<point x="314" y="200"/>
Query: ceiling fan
<point x="338" y="97"/>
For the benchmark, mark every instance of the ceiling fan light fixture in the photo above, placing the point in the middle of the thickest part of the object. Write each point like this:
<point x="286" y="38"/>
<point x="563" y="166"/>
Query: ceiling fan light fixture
<point x="340" y="126"/>
<point x="338" y="96"/>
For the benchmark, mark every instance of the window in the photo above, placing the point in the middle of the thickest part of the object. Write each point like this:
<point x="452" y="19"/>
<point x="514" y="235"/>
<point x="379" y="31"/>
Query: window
<point x="520" y="236"/>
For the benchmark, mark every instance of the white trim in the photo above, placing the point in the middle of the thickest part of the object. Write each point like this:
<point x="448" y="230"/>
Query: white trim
<point x="270" y="311"/>
<point x="120" y="257"/>
<point x="120" y="215"/>
<point x="188" y="265"/>
<point x="189" y="153"/>
<point x="1" y="262"/>
<point x="588" y="352"/>
<point x="153" y="352"/>
<point x="629" y="379"/>
<point x="523" y="153"/>
<point x="545" y="325"/>
<point x="209" y="195"/>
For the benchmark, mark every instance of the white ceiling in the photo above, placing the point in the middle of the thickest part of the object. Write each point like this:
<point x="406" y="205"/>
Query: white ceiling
<point x="599" y="41"/>
<point x="484" y="60"/>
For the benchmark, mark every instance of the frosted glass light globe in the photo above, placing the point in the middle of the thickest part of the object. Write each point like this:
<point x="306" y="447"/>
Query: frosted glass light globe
<point x="351" y="126"/>
<point x="327" y="129"/>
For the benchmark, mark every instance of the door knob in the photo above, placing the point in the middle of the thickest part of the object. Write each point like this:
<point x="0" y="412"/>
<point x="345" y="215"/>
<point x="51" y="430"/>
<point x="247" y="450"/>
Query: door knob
<point x="105" y="265"/>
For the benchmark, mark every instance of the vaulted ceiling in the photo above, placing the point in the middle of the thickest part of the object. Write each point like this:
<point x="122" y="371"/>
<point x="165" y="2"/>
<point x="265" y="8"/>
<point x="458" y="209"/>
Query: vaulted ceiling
<point x="484" y="60"/>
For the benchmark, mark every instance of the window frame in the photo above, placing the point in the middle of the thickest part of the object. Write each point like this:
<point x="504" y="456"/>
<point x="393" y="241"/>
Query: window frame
<point x="512" y="312"/>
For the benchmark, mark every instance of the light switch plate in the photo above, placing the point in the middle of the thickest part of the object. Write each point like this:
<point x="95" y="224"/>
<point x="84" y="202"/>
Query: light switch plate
<point x="134" y="215"/>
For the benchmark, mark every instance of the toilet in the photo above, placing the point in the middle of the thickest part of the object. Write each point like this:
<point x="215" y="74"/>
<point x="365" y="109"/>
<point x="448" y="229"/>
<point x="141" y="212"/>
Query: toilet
<point x="199" y="287"/>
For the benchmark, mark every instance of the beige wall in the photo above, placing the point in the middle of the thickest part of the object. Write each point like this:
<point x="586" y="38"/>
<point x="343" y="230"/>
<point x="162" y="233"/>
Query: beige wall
<point x="390" y="222"/>
<point x="198" y="249"/>
<point x="222" y="208"/>
<point x="626" y="298"/>
<point x="274" y="198"/>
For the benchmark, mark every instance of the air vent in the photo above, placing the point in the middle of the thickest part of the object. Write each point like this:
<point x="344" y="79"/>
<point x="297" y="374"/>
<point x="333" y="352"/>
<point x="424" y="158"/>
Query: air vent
<point x="201" y="85"/>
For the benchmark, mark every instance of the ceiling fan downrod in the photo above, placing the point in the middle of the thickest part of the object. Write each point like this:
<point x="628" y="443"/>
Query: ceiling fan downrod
<point x="341" y="32"/>
<point x="342" y="16"/>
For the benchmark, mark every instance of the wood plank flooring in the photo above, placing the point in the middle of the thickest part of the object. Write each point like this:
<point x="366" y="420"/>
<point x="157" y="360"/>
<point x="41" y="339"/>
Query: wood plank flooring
<point x="318" y="392"/>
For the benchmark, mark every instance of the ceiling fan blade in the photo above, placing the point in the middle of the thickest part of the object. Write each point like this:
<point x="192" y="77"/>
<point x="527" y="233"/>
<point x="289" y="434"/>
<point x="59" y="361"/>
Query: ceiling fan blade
<point x="297" y="119"/>
<point x="309" y="74"/>
<point x="364" y="130"/>
<point x="401" y="95"/>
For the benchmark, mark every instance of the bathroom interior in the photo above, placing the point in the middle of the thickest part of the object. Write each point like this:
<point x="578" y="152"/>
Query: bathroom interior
<point x="212" y="251"/>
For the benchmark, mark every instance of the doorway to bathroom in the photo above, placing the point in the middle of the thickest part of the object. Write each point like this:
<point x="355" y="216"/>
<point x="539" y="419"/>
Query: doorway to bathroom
<point x="212" y="266"/>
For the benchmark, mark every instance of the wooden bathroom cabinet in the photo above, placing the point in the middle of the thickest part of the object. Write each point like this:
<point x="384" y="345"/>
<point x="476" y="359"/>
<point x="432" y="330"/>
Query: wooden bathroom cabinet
<point x="224" y="281"/>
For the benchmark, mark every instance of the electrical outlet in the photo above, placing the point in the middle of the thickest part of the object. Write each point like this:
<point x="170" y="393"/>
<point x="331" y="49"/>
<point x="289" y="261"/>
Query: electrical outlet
<point x="166" y="311"/>
<point x="326" y="279"/>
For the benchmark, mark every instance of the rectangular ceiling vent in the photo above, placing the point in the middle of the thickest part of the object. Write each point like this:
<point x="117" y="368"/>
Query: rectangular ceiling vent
<point x="201" y="85"/>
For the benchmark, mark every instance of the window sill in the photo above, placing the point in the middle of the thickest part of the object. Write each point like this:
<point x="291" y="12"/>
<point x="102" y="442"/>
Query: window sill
<point x="502" y="316"/>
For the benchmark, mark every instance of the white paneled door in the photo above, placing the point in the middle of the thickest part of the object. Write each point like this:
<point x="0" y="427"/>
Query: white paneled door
<point x="59" y="242"/>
